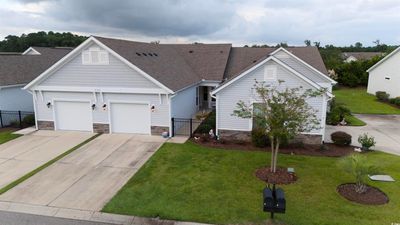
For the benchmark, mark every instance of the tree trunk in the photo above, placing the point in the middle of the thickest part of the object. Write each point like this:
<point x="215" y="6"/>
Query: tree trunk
<point x="276" y="154"/>
<point x="272" y="153"/>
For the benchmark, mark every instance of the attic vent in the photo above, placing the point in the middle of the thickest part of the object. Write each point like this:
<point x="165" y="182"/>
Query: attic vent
<point x="150" y="54"/>
<point x="191" y="51"/>
<point x="155" y="54"/>
<point x="137" y="53"/>
<point x="144" y="54"/>
<point x="95" y="56"/>
<point x="254" y="61"/>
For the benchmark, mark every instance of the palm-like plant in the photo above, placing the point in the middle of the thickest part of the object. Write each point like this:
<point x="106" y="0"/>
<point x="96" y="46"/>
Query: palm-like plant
<point x="358" y="166"/>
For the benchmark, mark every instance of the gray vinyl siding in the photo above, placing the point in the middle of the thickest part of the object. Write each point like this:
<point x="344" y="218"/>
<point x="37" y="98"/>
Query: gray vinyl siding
<point x="300" y="67"/>
<point x="116" y="74"/>
<point x="183" y="104"/>
<point x="242" y="90"/>
<point x="160" y="117"/>
<point x="15" y="99"/>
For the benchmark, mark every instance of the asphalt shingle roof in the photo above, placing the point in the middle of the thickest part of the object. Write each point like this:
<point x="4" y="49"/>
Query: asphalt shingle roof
<point x="22" y="69"/>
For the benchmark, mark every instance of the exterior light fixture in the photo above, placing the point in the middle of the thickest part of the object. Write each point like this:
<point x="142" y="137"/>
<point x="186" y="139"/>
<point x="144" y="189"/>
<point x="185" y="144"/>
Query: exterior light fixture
<point x="48" y="105"/>
<point x="153" y="108"/>
<point x="104" y="106"/>
<point x="93" y="106"/>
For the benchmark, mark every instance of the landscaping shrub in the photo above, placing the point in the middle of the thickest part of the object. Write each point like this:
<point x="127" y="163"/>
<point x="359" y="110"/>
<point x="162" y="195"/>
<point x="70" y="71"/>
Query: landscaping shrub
<point x="28" y="120"/>
<point x="259" y="138"/>
<point x="395" y="101"/>
<point x="382" y="96"/>
<point x="337" y="113"/>
<point x="366" y="141"/>
<point x="207" y="124"/>
<point x="341" y="138"/>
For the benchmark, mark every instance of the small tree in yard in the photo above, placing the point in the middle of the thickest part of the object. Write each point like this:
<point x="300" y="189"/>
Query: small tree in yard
<point x="284" y="112"/>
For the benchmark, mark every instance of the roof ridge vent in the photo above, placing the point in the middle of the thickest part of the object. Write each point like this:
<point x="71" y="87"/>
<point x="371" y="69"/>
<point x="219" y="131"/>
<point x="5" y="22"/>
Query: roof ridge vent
<point x="144" y="54"/>
<point x="137" y="53"/>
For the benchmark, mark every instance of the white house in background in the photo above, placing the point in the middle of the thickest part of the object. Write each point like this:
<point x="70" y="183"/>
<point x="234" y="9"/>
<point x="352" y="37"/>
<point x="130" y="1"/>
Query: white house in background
<point x="385" y="75"/>
<point x="118" y="86"/>
<point x="17" y="70"/>
<point x="356" y="56"/>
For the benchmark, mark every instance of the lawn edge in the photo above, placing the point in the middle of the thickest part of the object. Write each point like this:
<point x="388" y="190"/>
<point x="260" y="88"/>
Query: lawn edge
<point x="45" y="165"/>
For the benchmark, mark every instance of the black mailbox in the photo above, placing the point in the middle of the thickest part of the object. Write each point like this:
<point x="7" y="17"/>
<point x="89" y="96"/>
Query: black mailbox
<point x="280" y="201"/>
<point x="268" y="200"/>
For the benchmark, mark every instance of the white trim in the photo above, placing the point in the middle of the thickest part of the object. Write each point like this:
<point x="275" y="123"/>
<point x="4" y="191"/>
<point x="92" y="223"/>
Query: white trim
<point x="31" y="49"/>
<point x="79" y="49"/>
<point x="306" y="64"/>
<point x="216" y="114"/>
<point x="70" y="100"/>
<point x="12" y="86"/>
<point x="232" y="129"/>
<point x="101" y="89"/>
<point x="110" y="102"/>
<point x="323" y="116"/>
<point x="312" y="83"/>
<point x="384" y="59"/>
<point x="34" y="110"/>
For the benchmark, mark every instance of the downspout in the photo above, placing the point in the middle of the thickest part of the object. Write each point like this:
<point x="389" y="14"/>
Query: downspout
<point x="216" y="113"/>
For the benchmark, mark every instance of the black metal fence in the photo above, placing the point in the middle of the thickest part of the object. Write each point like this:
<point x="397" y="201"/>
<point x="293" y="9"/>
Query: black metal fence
<point x="185" y="127"/>
<point x="18" y="119"/>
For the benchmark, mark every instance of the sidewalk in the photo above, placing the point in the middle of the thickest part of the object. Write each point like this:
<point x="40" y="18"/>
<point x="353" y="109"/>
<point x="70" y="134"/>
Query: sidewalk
<point x="92" y="216"/>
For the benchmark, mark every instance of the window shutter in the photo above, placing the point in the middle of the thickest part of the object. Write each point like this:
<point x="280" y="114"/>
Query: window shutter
<point x="103" y="56"/>
<point x="94" y="55"/>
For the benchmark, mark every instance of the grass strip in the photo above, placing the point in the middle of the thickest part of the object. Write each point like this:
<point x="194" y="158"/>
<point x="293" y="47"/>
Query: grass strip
<point x="47" y="164"/>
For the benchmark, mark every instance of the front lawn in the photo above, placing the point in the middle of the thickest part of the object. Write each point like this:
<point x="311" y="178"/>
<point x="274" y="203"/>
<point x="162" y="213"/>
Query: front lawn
<point x="7" y="135"/>
<point x="192" y="183"/>
<point x="359" y="101"/>
<point x="354" y="121"/>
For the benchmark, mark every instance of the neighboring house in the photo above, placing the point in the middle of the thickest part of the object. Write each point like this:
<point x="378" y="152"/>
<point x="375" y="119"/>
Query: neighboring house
<point x="17" y="70"/>
<point x="356" y="56"/>
<point x="118" y="86"/>
<point x="385" y="75"/>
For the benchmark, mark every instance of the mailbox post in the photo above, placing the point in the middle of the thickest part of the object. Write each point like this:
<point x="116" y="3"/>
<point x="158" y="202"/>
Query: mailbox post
<point x="274" y="200"/>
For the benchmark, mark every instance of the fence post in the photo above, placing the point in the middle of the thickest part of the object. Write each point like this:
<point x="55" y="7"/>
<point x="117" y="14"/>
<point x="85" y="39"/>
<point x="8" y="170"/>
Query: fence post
<point x="191" y="127"/>
<point x="20" y="119"/>
<point x="1" y="119"/>
<point x="172" y="127"/>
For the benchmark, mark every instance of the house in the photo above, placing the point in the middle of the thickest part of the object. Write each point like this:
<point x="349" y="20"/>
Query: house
<point x="119" y="86"/>
<point x="356" y="56"/>
<point x="385" y="75"/>
<point x="17" y="70"/>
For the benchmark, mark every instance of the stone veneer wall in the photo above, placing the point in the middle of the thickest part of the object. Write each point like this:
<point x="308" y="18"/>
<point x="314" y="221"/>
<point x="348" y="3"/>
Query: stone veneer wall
<point x="313" y="139"/>
<point x="157" y="130"/>
<point x="101" y="128"/>
<point x="45" y="125"/>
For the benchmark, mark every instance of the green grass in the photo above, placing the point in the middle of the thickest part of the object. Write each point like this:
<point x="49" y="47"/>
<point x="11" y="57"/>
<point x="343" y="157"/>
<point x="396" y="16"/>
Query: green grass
<point x="42" y="167"/>
<point x="354" y="121"/>
<point x="7" y="136"/>
<point x="359" y="101"/>
<point x="193" y="183"/>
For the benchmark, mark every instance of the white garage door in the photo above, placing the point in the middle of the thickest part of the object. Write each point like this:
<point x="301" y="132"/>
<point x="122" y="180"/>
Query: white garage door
<point x="73" y="116"/>
<point x="130" y="118"/>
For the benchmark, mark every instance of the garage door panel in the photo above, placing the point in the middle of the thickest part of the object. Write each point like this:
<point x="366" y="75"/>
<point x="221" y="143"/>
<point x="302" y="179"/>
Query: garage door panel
<point x="73" y="116"/>
<point x="130" y="118"/>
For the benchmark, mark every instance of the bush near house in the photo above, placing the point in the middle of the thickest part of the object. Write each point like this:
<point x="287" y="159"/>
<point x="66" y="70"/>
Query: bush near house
<point x="207" y="124"/>
<point x="395" y="101"/>
<point x="259" y="138"/>
<point x="341" y="138"/>
<point x="382" y="96"/>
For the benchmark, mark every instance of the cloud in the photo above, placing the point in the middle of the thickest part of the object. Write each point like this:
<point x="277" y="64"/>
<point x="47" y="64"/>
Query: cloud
<point x="238" y="21"/>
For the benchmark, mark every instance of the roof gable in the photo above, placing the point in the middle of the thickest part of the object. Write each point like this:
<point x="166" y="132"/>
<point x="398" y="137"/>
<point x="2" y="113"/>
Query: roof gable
<point x="384" y="59"/>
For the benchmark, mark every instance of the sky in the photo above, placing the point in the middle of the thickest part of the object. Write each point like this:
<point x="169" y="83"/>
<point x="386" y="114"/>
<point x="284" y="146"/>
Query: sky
<point x="338" y="22"/>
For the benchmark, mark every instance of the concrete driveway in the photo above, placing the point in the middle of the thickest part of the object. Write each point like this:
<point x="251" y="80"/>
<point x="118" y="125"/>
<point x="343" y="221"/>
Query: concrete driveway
<point x="24" y="154"/>
<point x="90" y="176"/>
<point x="385" y="129"/>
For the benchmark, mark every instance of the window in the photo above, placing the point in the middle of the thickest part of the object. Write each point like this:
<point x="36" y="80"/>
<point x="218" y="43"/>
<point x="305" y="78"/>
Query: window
<point x="95" y="56"/>
<point x="270" y="73"/>
<point x="258" y="120"/>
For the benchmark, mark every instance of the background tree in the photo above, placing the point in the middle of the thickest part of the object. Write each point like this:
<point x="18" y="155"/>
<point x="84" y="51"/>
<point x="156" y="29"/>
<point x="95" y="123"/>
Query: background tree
<point x="13" y="43"/>
<point x="284" y="112"/>
<point x="307" y="42"/>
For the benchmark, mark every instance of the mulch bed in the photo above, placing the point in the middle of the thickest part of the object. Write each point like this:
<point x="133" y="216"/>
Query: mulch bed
<point x="281" y="176"/>
<point x="330" y="150"/>
<point x="373" y="196"/>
